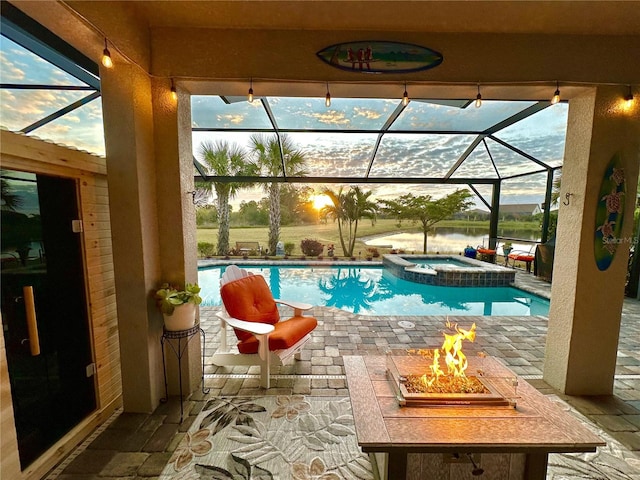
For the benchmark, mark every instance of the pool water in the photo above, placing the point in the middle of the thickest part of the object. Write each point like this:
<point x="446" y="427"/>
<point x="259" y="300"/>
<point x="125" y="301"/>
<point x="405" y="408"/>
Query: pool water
<point x="376" y="291"/>
<point x="434" y="262"/>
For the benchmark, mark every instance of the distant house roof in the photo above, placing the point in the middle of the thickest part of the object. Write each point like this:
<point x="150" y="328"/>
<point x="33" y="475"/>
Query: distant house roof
<point x="520" y="208"/>
<point x="472" y="212"/>
<point x="476" y="211"/>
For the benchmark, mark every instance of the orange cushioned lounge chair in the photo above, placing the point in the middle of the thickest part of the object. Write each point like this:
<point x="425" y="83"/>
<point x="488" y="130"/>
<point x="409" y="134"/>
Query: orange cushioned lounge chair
<point x="263" y="338"/>
<point x="526" y="257"/>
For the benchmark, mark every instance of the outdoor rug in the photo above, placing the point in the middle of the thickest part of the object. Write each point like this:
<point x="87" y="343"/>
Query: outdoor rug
<point x="271" y="437"/>
<point x="611" y="462"/>
<point x="313" y="438"/>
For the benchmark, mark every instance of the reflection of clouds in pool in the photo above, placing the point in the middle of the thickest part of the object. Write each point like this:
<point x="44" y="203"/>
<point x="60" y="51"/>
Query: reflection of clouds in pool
<point x="374" y="291"/>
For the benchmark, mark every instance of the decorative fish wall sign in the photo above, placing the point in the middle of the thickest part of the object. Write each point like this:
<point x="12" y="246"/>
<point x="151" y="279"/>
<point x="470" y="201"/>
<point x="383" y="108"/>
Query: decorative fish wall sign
<point x="377" y="56"/>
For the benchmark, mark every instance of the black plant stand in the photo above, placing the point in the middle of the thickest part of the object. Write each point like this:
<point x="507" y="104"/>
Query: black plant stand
<point x="183" y="337"/>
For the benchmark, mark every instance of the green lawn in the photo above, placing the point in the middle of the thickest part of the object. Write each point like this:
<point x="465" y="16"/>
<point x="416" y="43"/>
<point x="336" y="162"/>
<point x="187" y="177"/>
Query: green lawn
<point x="328" y="233"/>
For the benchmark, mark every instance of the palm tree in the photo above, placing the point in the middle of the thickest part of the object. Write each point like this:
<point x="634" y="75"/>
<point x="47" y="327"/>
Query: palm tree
<point x="348" y="291"/>
<point x="202" y="195"/>
<point x="269" y="157"/>
<point x="224" y="160"/>
<point x="358" y="206"/>
<point x="555" y="193"/>
<point x="335" y="210"/>
<point x="9" y="199"/>
<point x="348" y="208"/>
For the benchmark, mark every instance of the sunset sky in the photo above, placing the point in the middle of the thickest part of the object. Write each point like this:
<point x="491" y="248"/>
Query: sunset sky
<point x="343" y="150"/>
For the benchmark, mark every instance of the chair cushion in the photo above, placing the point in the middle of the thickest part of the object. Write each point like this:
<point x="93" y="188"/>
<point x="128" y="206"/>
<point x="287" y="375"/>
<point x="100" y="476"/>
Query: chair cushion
<point x="523" y="257"/>
<point x="249" y="299"/>
<point x="286" y="334"/>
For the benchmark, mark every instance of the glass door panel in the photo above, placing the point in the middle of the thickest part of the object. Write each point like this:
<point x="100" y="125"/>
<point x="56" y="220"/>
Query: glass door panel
<point x="44" y="312"/>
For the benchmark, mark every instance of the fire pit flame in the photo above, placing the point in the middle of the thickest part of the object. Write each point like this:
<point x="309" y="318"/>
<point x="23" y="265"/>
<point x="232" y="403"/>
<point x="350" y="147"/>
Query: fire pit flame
<point x="455" y="360"/>
<point x="423" y="379"/>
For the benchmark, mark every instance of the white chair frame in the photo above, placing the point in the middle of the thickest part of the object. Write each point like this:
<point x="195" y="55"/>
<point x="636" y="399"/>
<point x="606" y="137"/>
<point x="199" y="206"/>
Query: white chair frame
<point x="228" y="355"/>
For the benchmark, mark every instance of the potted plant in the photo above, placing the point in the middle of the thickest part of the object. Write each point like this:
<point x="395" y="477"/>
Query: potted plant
<point x="178" y="306"/>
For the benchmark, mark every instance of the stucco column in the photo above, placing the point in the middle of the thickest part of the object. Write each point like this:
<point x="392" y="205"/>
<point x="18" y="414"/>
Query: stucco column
<point x="176" y="212"/>
<point x="586" y="303"/>
<point x="131" y="174"/>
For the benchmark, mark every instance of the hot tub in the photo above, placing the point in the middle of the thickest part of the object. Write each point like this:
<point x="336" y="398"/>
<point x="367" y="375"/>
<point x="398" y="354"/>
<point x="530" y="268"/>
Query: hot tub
<point x="448" y="270"/>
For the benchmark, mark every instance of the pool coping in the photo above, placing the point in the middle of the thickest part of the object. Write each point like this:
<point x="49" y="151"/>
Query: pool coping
<point x="289" y="262"/>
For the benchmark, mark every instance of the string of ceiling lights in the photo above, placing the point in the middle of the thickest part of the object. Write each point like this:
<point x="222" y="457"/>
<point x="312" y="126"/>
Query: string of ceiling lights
<point x="628" y="98"/>
<point x="108" y="63"/>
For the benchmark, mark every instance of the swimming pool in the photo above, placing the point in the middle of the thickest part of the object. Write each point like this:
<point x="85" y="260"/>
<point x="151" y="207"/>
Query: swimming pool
<point x="376" y="291"/>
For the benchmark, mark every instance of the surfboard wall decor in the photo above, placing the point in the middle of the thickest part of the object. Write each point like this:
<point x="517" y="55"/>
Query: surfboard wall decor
<point x="609" y="213"/>
<point x="380" y="57"/>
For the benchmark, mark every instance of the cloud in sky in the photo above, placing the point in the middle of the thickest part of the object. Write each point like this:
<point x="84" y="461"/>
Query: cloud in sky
<point x="81" y="128"/>
<point x="414" y="155"/>
<point x="11" y="72"/>
<point x="232" y="119"/>
<point x="331" y="117"/>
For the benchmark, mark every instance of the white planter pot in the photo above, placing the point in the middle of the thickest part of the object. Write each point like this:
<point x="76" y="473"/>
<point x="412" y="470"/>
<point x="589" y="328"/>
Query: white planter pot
<point x="182" y="318"/>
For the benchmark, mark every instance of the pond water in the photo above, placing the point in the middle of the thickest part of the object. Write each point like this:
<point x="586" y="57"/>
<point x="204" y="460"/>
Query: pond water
<point x="452" y="240"/>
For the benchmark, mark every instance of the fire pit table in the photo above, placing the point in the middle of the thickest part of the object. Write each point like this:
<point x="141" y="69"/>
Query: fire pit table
<point x="458" y="439"/>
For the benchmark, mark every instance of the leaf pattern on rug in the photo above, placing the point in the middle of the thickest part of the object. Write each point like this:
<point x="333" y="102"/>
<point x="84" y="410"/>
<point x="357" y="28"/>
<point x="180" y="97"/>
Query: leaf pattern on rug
<point x="316" y="470"/>
<point x="194" y="444"/>
<point x="262" y="444"/>
<point x="223" y="412"/>
<point x="239" y="469"/>
<point x="599" y="466"/>
<point x="317" y="431"/>
<point x="290" y="407"/>
<point x="262" y="438"/>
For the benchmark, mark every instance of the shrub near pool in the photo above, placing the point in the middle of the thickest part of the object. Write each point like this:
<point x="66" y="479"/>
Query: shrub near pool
<point x="311" y="248"/>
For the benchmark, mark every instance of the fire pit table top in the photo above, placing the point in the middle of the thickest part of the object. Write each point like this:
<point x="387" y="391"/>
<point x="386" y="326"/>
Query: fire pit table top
<point x="535" y="426"/>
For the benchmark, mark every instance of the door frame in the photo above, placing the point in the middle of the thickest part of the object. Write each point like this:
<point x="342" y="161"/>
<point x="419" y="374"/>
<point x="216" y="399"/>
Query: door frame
<point x="20" y="152"/>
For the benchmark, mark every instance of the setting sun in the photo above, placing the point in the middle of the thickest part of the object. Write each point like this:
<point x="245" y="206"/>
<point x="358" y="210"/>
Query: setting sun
<point x="320" y="201"/>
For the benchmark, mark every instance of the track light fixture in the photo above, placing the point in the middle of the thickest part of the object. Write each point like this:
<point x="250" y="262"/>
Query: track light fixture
<point x="327" y="98"/>
<point x="250" y="93"/>
<point x="174" y="93"/>
<point x="106" y="56"/>
<point x="628" y="98"/>
<point x="556" y="95"/>
<point x="478" y="98"/>
<point x="405" y="96"/>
